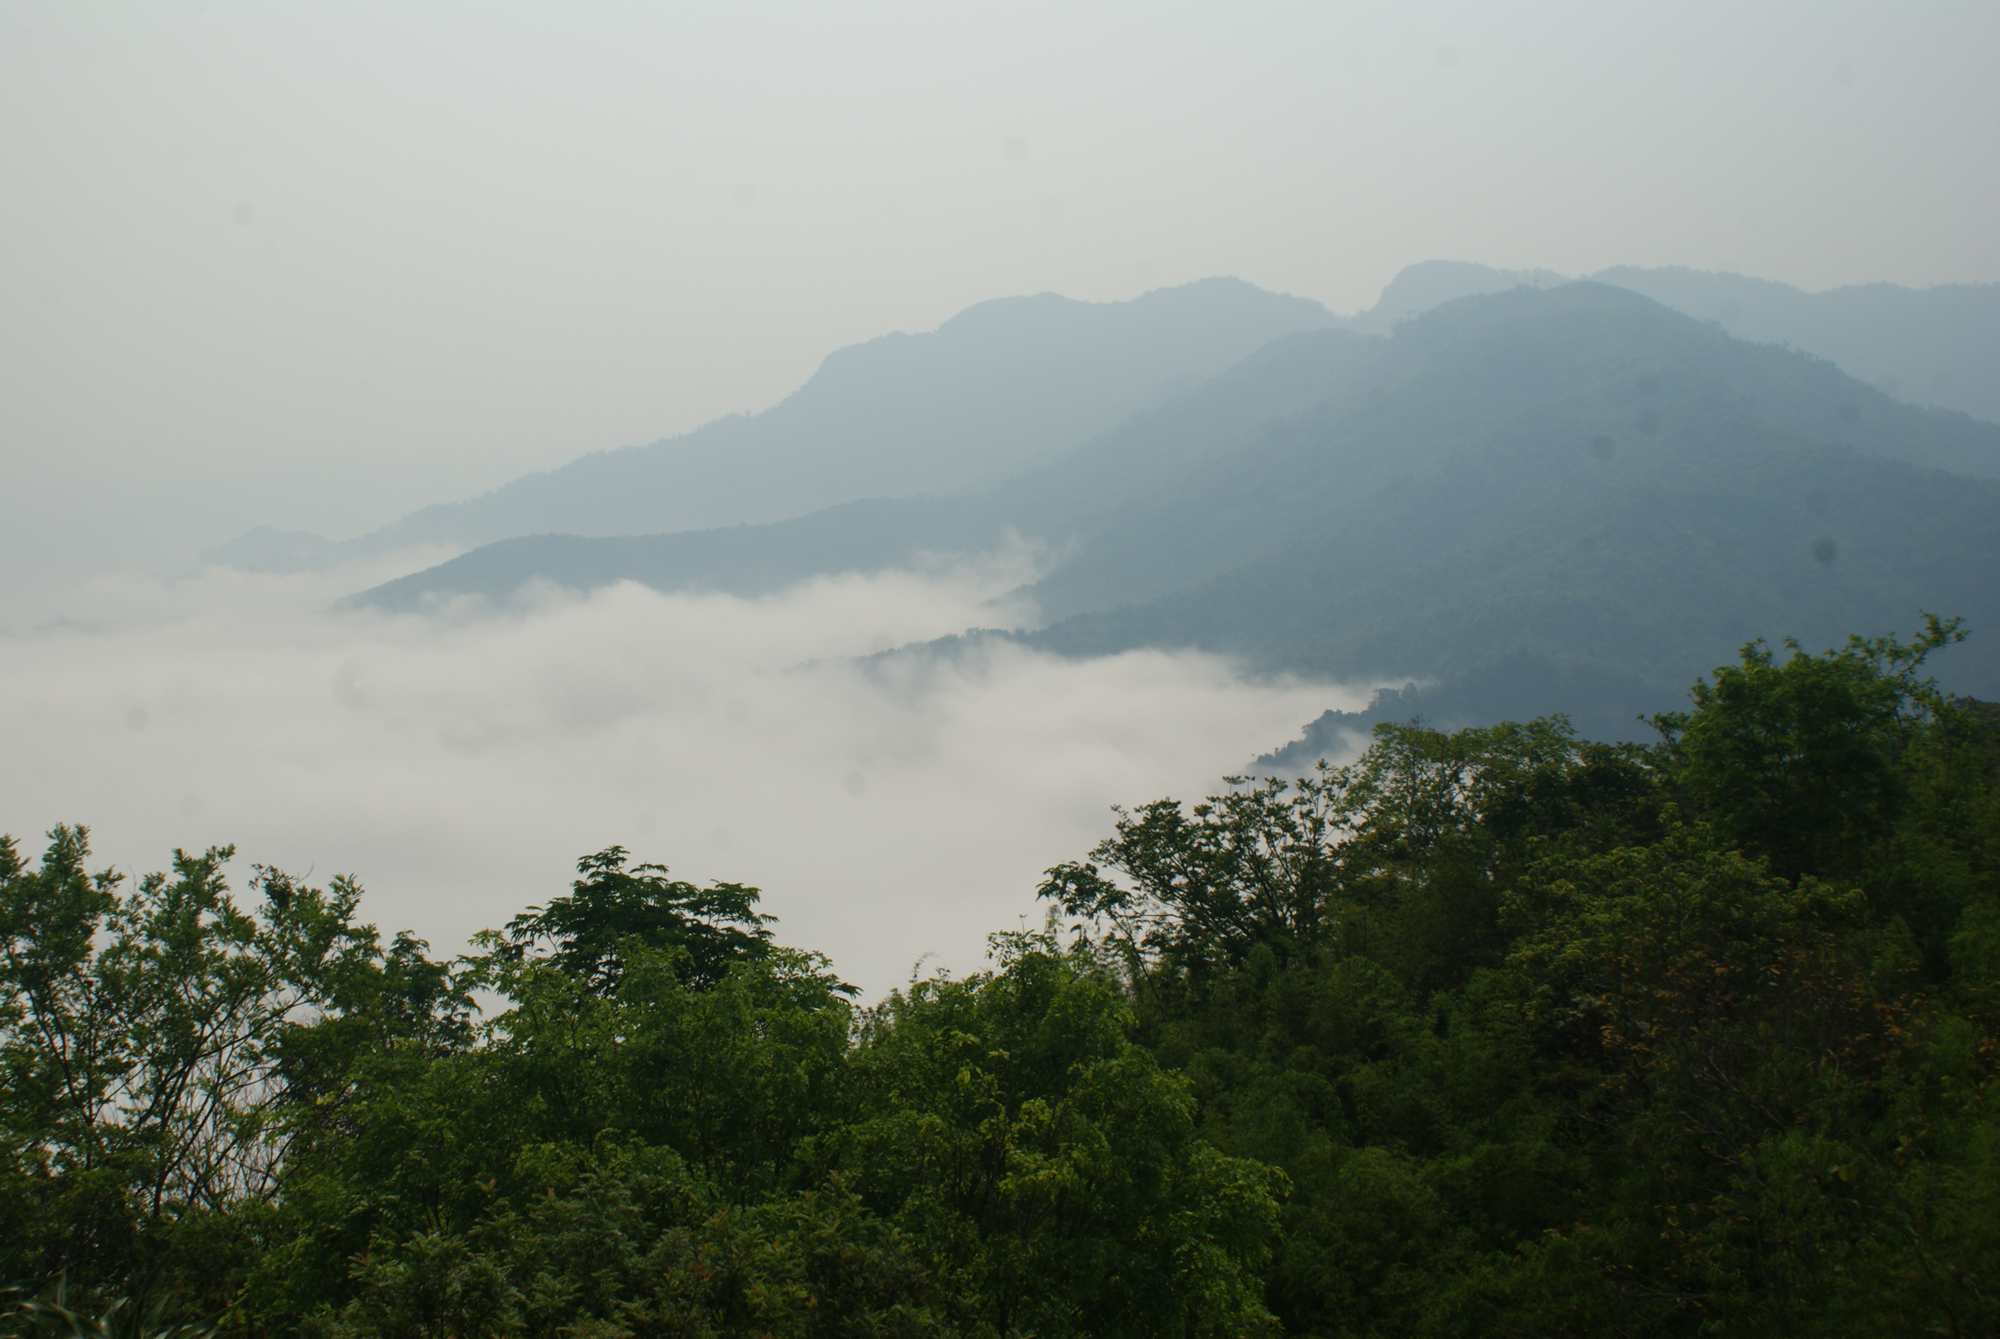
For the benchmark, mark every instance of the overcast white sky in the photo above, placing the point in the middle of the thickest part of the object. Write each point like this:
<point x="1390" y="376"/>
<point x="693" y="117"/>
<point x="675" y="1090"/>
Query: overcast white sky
<point x="316" y="264"/>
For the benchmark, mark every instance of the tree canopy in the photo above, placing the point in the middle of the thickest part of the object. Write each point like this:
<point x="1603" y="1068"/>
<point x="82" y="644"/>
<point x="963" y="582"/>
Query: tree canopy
<point x="1497" y="1031"/>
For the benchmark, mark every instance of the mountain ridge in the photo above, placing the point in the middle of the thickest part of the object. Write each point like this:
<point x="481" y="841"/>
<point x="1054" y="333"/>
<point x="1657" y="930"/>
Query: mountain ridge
<point x="994" y="389"/>
<point x="1878" y="332"/>
<point x="1502" y="482"/>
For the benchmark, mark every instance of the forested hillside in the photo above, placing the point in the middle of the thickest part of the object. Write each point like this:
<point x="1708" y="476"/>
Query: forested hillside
<point x="1564" y="499"/>
<point x="1930" y="346"/>
<point x="1491" y="1032"/>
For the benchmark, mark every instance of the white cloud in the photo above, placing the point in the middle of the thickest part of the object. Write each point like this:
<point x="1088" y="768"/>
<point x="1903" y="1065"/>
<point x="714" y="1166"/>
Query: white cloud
<point x="889" y="809"/>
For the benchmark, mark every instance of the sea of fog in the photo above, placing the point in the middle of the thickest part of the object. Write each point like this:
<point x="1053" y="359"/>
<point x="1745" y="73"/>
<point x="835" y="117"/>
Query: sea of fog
<point x="893" y="811"/>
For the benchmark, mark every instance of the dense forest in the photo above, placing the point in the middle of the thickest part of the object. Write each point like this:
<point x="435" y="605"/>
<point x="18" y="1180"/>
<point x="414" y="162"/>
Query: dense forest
<point x="1493" y="1032"/>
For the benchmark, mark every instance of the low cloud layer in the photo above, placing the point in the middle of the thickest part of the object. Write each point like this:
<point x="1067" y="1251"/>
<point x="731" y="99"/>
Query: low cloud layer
<point x="892" y="811"/>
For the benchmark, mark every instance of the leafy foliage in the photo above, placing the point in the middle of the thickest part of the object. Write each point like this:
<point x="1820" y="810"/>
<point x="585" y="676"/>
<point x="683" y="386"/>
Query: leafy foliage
<point x="615" y="904"/>
<point x="1495" y="1031"/>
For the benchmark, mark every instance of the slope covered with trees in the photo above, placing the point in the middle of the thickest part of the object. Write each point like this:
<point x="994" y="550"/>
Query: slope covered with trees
<point x="1930" y="346"/>
<point x="1562" y="499"/>
<point x="1493" y="1032"/>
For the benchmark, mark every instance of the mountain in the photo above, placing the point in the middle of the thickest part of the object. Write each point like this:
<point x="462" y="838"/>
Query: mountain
<point x="869" y="535"/>
<point x="1017" y="381"/>
<point x="1566" y="495"/>
<point x="1432" y="283"/>
<point x="1592" y="367"/>
<point x="995" y="390"/>
<point x="1569" y="494"/>
<point x="1931" y="346"/>
<point x="1123" y="470"/>
<point x="1010" y="383"/>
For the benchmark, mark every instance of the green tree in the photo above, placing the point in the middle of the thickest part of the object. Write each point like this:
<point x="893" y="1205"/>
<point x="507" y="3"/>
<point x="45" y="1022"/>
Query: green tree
<point x="145" y="1035"/>
<point x="613" y="901"/>
<point x="1802" y="760"/>
<point x="1010" y="1123"/>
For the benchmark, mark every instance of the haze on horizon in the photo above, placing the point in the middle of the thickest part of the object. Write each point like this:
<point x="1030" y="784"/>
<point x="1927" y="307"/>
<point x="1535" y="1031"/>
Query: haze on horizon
<point x="316" y="268"/>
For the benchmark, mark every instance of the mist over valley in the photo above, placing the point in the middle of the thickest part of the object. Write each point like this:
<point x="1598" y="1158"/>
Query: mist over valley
<point x="999" y="671"/>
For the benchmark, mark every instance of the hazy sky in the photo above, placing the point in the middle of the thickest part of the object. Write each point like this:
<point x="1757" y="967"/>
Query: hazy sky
<point x="316" y="264"/>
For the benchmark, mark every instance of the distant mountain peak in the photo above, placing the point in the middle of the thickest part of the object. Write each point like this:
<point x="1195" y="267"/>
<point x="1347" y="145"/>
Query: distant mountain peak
<point x="999" y="387"/>
<point x="1568" y="295"/>
<point x="1429" y="283"/>
<point x="1015" y="381"/>
<point x="1630" y="275"/>
<point x="1211" y="286"/>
